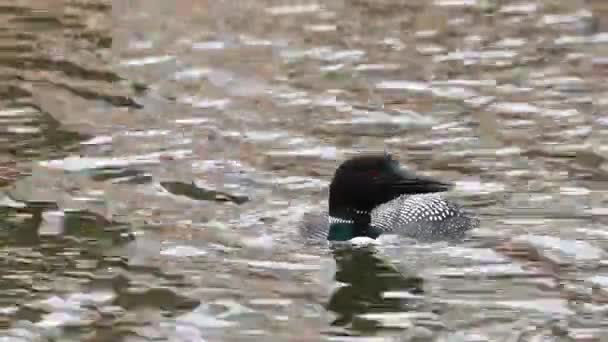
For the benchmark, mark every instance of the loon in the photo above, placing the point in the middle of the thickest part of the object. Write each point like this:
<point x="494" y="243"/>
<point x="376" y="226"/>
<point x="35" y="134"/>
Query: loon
<point x="372" y="194"/>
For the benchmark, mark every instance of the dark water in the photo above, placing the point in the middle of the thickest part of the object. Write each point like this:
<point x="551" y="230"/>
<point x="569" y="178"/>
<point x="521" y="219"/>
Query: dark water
<point x="156" y="158"/>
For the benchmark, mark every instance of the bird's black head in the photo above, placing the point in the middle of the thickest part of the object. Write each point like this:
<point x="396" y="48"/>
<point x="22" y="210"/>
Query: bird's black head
<point x="362" y="183"/>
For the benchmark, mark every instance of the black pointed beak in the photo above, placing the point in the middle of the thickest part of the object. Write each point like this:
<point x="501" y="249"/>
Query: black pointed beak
<point x="421" y="185"/>
<point x="405" y="182"/>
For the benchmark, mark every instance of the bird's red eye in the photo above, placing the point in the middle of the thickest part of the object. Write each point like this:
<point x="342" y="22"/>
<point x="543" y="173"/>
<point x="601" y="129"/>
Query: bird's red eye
<point x="374" y="173"/>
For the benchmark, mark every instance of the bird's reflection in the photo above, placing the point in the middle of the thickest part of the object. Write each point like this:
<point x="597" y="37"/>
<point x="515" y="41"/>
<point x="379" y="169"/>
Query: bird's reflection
<point x="366" y="277"/>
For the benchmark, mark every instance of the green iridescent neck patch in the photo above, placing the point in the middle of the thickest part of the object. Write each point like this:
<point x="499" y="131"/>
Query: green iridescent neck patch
<point x="344" y="231"/>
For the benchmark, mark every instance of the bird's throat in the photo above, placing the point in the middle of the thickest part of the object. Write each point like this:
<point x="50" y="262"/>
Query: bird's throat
<point x="344" y="231"/>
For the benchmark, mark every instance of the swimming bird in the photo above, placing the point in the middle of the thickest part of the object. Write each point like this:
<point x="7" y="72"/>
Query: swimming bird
<point x="372" y="194"/>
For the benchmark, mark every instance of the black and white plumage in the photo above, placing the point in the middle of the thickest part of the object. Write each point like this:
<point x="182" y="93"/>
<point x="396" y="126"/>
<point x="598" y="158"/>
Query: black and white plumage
<point x="371" y="195"/>
<point x="423" y="217"/>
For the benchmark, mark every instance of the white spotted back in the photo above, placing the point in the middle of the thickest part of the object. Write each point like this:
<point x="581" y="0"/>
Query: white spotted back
<point x="424" y="216"/>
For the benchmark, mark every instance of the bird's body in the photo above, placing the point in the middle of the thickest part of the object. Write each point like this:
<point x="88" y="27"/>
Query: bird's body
<point x="392" y="201"/>
<point x="423" y="217"/>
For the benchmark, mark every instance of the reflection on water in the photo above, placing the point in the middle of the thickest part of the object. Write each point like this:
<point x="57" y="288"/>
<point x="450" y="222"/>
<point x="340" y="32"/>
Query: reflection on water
<point x="156" y="159"/>
<point x="365" y="280"/>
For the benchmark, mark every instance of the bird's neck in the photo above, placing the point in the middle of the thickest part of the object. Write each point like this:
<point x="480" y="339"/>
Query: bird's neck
<point x="349" y="223"/>
<point x="341" y="231"/>
<point x="346" y="222"/>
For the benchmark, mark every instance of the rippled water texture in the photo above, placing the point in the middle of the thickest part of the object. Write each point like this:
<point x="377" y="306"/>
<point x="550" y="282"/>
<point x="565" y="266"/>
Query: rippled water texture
<point x="156" y="157"/>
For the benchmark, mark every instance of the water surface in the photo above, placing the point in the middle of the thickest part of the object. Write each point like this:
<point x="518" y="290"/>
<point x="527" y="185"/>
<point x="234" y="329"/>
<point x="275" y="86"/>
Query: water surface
<point x="156" y="158"/>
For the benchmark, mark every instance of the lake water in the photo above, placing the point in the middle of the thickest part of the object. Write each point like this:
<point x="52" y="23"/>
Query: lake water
<point x="156" y="158"/>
